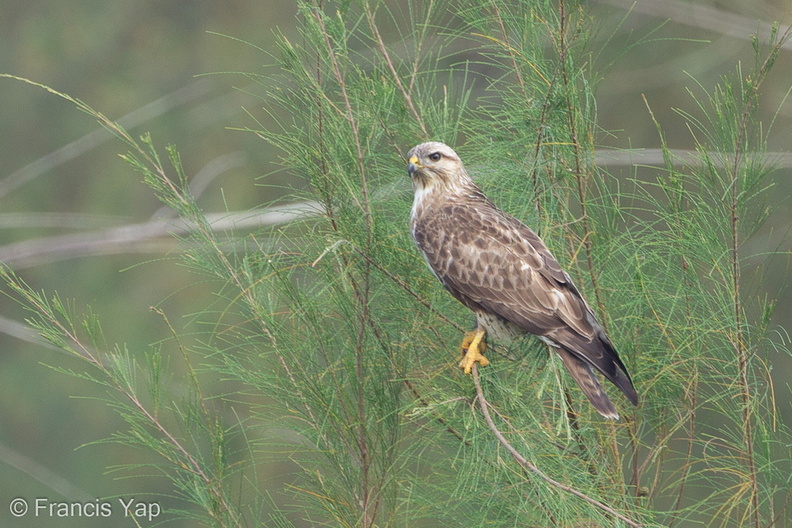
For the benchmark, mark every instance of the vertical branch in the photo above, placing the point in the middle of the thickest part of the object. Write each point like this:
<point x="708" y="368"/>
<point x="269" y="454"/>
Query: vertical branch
<point x="349" y="115"/>
<point x="405" y="91"/>
<point x="743" y="351"/>
<point x="582" y="173"/>
<point x="540" y="137"/>
<point x="320" y="121"/>
<point x="579" y="170"/>
<point x="368" y="502"/>
<point x="739" y="340"/>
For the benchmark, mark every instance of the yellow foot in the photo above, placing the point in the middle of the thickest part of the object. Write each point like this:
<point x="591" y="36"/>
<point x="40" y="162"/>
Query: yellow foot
<point x="473" y="346"/>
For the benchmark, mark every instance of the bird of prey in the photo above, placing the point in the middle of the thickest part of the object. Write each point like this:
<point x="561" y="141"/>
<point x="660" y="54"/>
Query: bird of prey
<point x="501" y="270"/>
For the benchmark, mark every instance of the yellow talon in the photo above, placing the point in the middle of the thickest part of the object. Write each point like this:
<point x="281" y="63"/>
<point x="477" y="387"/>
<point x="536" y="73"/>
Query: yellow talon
<point x="473" y="346"/>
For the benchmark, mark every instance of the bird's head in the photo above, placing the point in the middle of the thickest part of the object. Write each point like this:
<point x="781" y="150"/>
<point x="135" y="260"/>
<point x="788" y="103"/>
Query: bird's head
<point x="435" y="164"/>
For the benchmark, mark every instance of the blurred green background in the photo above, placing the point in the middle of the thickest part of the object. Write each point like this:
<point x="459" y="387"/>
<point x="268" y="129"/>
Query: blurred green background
<point x="148" y="60"/>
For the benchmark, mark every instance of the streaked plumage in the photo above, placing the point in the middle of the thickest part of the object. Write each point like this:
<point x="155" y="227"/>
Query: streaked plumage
<point x="501" y="270"/>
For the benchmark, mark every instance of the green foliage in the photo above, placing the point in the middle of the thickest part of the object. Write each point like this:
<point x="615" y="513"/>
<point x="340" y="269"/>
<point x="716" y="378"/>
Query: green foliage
<point x="340" y="346"/>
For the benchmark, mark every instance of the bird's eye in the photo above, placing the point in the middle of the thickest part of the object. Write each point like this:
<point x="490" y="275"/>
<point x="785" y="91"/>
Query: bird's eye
<point x="435" y="156"/>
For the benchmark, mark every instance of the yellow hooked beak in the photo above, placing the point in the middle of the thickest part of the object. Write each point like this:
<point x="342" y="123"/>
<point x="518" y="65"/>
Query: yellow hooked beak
<point x="413" y="165"/>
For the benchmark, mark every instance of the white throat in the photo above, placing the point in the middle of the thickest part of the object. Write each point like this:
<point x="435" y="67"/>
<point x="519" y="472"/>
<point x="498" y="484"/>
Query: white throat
<point x="421" y="194"/>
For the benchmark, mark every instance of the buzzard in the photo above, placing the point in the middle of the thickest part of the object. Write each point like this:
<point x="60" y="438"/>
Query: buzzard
<point x="501" y="270"/>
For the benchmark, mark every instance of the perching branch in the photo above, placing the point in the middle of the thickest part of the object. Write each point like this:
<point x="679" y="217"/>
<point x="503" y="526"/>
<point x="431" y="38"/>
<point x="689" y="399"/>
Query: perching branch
<point x="521" y="460"/>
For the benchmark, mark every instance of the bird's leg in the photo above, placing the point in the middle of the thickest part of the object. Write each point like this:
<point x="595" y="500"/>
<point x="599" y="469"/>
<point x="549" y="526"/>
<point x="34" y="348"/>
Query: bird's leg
<point x="473" y="346"/>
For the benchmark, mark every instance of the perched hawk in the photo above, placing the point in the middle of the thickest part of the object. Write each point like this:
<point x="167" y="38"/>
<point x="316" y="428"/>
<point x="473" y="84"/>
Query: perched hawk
<point x="499" y="268"/>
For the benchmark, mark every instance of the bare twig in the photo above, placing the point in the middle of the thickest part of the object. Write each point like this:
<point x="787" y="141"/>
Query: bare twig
<point x="140" y="237"/>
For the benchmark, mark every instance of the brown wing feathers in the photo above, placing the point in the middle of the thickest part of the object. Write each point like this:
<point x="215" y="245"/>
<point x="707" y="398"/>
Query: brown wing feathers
<point x="493" y="262"/>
